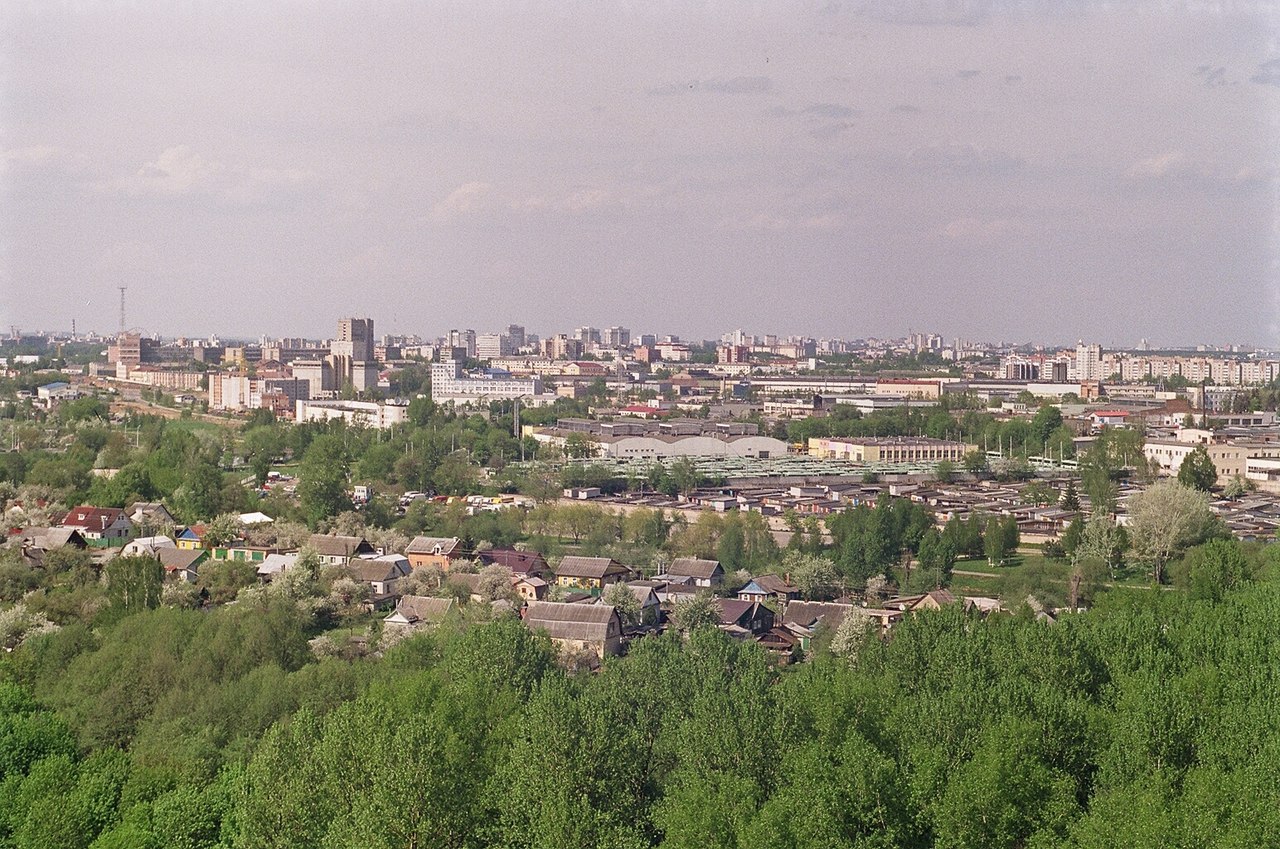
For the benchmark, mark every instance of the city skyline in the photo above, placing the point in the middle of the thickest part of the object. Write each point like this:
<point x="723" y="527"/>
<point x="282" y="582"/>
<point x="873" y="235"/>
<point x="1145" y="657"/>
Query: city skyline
<point x="850" y="171"/>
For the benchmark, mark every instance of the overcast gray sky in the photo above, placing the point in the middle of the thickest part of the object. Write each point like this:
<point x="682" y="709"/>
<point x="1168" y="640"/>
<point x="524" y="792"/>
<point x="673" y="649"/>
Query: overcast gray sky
<point x="1033" y="171"/>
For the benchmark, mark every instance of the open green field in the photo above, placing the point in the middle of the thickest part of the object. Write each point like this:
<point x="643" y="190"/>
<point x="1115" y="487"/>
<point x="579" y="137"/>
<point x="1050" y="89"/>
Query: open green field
<point x="196" y="425"/>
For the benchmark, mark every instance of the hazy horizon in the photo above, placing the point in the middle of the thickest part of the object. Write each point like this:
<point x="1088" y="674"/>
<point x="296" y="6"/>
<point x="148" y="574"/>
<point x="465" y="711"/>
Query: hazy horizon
<point x="848" y="170"/>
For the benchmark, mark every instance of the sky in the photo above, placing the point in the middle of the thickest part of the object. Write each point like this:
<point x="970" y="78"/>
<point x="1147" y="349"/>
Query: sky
<point x="1034" y="171"/>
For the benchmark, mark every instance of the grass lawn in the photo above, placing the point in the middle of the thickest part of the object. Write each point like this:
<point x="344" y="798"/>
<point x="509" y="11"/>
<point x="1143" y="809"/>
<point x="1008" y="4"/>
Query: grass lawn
<point x="193" y="425"/>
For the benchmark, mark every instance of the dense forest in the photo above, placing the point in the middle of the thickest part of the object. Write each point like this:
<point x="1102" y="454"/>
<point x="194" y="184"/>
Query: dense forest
<point x="1148" y="722"/>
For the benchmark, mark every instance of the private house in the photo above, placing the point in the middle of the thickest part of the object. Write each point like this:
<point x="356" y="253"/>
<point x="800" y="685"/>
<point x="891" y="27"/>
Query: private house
<point x="150" y="514"/>
<point x="705" y="573"/>
<point x="35" y="543"/>
<point x="884" y="618"/>
<point x="762" y="588"/>
<point x="433" y="551"/>
<point x="744" y="618"/>
<point x="100" y="525"/>
<point x="334" y="550"/>
<point x="191" y="538"/>
<point x="811" y="614"/>
<point x="805" y="618"/>
<point x="590" y="573"/>
<point x="982" y="605"/>
<point x="783" y="642"/>
<point x="381" y="573"/>
<point x="242" y="553"/>
<point x="521" y="563"/>
<point x="50" y="538"/>
<point x="146" y="546"/>
<point x="274" y="564"/>
<point x="593" y="628"/>
<point x="932" y="600"/>
<point x="530" y="588"/>
<point x="181" y="564"/>
<point x="650" y="605"/>
<point x="415" y="612"/>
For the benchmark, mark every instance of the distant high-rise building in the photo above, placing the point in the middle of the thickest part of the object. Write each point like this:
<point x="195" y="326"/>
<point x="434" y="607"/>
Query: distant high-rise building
<point x="617" y="337"/>
<point x="515" y="337"/>
<point x="355" y="340"/>
<point x="491" y="346"/>
<point x="463" y="339"/>
<point x="1088" y="362"/>
<point x="587" y="335"/>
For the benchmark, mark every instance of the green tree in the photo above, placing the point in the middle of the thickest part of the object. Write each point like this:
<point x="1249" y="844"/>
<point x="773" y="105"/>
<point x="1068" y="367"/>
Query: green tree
<point x="199" y="497"/>
<point x="1197" y="470"/>
<point x="457" y="473"/>
<point x="1000" y="539"/>
<point x="222" y="530"/>
<point x="1165" y="519"/>
<point x="1046" y="420"/>
<point x="322" y="484"/>
<point x="134" y="583"/>
<point x="1070" y="498"/>
<point x="1213" y="570"/>
<point x="937" y="557"/>
<point x="624" y="600"/>
<point x="815" y="576"/>
<point x="691" y="614"/>
<point x="686" y="476"/>
<point x="975" y="462"/>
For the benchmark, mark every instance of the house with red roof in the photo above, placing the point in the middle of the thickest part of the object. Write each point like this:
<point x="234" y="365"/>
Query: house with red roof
<point x="99" y="524"/>
<point x="1108" y="418"/>
<point x="641" y="411"/>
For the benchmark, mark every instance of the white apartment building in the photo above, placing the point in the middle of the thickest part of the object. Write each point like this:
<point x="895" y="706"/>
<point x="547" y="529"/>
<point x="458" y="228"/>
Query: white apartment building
<point x="450" y="385"/>
<point x="1088" y="363"/>
<point x="365" y="413"/>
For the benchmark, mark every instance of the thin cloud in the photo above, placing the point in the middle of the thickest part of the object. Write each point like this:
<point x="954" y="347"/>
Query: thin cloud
<point x="43" y="157"/>
<point x="1212" y="77"/>
<point x="830" y="131"/>
<point x="467" y="199"/>
<point x="829" y="110"/>
<point x="732" y="85"/>
<point x="774" y="222"/>
<point x="963" y="159"/>
<point x="977" y="231"/>
<point x="180" y="171"/>
<point x="1175" y="167"/>
<point x="1268" y="73"/>
<point x="945" y="13"/>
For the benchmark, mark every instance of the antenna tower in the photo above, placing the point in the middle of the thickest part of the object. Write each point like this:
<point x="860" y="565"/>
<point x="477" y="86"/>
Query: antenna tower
<point x="122" y="324"/>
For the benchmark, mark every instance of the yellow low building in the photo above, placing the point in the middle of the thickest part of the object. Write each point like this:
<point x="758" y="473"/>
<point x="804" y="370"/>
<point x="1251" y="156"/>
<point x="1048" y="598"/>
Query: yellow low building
<point x="887" y="449"/>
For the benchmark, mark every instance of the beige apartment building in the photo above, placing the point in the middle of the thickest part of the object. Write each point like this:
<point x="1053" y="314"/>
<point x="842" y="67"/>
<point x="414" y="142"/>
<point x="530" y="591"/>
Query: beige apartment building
<point x="1229" y="459"/>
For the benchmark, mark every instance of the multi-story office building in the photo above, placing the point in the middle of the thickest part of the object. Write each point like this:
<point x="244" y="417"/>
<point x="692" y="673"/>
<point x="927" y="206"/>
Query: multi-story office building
<point x="355" y="340"/>
<point x="492" y="346"/>
<point x="465" y="339"/>
<point x="450" y="385"/>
